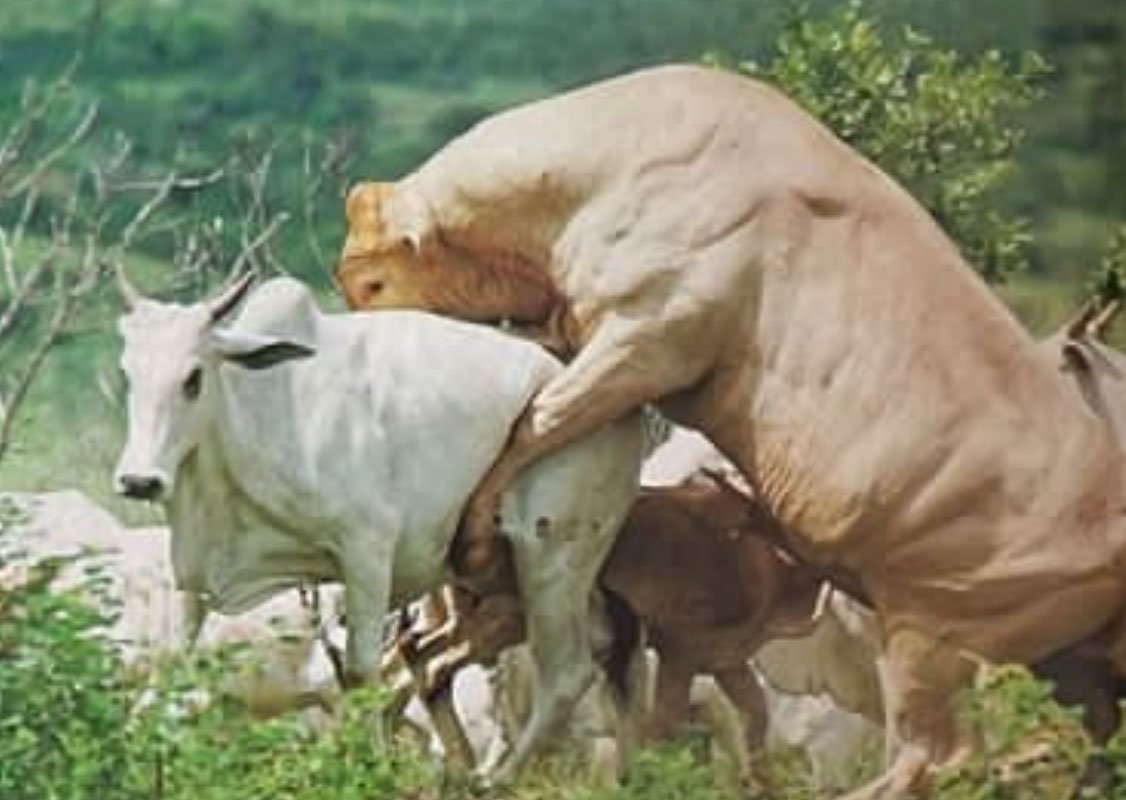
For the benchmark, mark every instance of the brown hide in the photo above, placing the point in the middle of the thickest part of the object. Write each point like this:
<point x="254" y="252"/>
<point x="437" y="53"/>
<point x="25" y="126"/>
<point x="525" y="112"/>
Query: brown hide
<point x="689" y="565"/>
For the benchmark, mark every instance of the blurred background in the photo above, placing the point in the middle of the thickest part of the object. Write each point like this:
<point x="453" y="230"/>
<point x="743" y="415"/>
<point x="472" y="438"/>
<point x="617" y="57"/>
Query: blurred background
<point x="180" y="137"/>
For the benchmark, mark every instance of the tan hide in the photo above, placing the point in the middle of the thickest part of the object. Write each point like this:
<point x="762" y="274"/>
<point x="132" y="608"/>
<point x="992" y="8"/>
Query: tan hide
<point x="706" y="236"/>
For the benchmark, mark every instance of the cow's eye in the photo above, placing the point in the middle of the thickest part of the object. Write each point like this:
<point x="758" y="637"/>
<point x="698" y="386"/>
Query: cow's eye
<point x="193" y="383"/>
<point x="374" y="287"/>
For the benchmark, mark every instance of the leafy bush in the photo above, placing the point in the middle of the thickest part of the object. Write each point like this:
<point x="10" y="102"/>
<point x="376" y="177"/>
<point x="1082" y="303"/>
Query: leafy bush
<point x="62" y="711"/>
<point x="944" y="124"/>
<point x="220" y="753"/>
<point x="1033" y="749"/>
<point x="1108" y="279"/>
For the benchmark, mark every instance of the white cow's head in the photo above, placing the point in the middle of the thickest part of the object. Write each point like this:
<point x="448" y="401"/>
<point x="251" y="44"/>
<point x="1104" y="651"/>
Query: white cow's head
<point x="170" y="360"/>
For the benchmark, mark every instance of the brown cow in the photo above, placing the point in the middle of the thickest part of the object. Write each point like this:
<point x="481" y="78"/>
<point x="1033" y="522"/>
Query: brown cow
<point x="700" y="241"/>
<point x="689" y="566"/>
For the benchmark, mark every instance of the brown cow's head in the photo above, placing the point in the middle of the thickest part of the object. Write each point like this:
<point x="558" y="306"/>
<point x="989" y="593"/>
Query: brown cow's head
<point x="382" y="263"/>
<point x="394" y="258"/>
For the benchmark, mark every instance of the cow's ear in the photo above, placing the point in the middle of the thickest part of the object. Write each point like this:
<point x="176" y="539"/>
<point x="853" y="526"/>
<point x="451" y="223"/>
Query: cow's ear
<point x="255" y="351"/>
<point x="1074" y="357"/>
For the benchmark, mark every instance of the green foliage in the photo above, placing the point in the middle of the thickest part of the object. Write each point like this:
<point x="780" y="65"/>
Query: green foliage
<point x="668" y="773"/>
<point x="1033" y="748"/>
<point x="944" y="124"/>
<point x="62" y="713"/>
<point x="73" y="726"/>
<point x="218" y="753"/>
<point x="1108" y="281"/>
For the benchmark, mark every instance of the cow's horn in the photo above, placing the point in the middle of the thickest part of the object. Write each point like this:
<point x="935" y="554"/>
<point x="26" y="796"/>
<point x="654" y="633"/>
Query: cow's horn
<point x="129" y="294"/>
<point x="1098" y="325"/>
<point x="223" y="303"/>
<point x="1076" y="328"/>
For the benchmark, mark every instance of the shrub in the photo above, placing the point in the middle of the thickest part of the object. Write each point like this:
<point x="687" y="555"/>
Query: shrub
<point x="62" y="711"/>
<point x="944" y="124"/>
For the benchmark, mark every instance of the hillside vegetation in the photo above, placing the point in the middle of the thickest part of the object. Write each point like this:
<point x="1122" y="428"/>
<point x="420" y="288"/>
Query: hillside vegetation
<point x="272" y="86"/>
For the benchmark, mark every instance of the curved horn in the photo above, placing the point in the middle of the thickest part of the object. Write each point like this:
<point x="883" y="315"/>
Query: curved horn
<point x="223" y="303"/>
<point x="129" y="294"/>
<point x="1076" y="327"/>
<point x="1097" y="327"/>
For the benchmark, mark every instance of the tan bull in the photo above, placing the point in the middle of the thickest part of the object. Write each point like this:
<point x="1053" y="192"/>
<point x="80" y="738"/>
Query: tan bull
<point x="697" y="240"/>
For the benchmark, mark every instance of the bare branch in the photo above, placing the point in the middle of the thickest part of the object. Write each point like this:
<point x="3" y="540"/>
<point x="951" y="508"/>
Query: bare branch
<point x="21" y="298"/>
<point x="63" y="308"/>
<point x="260" y="240"/>
<point x="7" y="261"/>
<point x="30" y="203"/>
<point x="146" y="210"/>
<point x="334" y="158"/>
<point x="77" y="134"/>
<point x="197" y="182"/>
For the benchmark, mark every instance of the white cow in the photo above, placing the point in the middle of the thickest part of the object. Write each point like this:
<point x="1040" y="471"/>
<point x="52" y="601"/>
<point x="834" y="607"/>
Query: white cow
<point x="295" y="446"/>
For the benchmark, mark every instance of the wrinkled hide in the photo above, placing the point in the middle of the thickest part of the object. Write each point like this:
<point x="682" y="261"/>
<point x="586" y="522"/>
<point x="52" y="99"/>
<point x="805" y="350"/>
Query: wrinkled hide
<point x="719" y="252"/>
<point x="860" y="374"/>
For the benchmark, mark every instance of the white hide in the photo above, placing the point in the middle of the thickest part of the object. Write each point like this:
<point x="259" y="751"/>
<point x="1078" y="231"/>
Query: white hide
<point x="838" y="659"/>
<point x="683" y="454"/>
<point x="350" y="458"/>
<point x="279" y="664"/>
<point x="838" y="744"/>
<point x="473" y="703"/>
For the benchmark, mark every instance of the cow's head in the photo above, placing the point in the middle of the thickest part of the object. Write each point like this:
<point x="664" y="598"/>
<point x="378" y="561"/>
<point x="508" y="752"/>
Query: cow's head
<point x="393" y="258"/>
<point x="170" y="360"/>
<point x="385" y="258"/>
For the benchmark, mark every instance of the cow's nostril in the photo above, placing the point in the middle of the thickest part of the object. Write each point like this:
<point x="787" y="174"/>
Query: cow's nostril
<point x="140" y="487"/>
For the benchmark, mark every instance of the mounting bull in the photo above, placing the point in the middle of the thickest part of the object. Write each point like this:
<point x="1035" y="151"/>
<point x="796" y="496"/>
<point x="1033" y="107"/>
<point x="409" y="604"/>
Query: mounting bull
<point x="696" y="239"/>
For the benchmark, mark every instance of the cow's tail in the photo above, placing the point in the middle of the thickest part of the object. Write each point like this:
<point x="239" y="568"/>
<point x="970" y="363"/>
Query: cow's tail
<point x="625" y="646"/>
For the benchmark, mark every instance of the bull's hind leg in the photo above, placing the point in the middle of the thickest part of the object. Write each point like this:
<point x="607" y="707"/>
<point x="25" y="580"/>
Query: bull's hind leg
<point x="921" y="680"/>
<point x="626" y="364"/>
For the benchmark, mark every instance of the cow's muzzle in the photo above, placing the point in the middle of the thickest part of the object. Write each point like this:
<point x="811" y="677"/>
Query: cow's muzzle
<point x="140" y="487"/>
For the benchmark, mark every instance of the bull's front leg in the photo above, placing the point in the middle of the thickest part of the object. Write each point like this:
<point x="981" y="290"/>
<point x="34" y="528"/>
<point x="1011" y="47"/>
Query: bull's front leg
<point x="626" y="364"/>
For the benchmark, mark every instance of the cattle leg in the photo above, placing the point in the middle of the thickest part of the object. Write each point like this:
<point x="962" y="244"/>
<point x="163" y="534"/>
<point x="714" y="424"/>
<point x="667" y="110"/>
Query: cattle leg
<point x="617" y="372"/>
<point x="367" y="592"/>
<point x="743" y="689"/>
<point x="556" y="578"/>
<point x="922" y="677"/>
<point x="671" y="697"/>
<point x="724" y="723"/>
